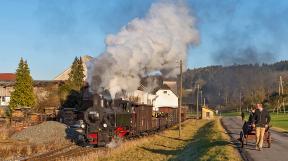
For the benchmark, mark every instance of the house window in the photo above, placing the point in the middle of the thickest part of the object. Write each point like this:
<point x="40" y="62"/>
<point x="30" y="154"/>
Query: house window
<point x="165" y="92"/>
<point x="3" y="99"/>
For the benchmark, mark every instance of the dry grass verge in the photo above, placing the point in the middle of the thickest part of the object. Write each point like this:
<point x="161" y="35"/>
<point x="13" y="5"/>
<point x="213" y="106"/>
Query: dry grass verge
<point x="11" y="149"/>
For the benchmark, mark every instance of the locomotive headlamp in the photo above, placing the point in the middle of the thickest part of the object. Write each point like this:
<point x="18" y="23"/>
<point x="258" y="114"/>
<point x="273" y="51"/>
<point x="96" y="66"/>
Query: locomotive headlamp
<point x="82" y="126"/>
<point x="104" y="125"/>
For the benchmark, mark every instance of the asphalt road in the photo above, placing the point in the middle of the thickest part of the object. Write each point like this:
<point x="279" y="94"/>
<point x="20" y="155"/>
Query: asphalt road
<point x="277" y="152"/>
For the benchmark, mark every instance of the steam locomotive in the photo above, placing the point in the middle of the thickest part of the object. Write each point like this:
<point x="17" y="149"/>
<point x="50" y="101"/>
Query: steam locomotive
<point x="107" y="119"/>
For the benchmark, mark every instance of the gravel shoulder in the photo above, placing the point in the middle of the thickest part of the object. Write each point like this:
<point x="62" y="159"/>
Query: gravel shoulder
<point x="45" y="132"/>
<point x="35" y="140"/>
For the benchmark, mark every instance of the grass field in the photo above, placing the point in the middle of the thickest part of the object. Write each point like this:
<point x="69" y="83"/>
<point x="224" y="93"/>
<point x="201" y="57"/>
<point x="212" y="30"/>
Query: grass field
<point x="233" y="114"/>
<point x="201" y="140"/>
<point x="278" y="121"/>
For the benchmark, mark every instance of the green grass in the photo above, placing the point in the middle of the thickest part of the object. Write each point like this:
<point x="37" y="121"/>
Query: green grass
<point x="233" y="114"/>
<point x="279" y="121"/>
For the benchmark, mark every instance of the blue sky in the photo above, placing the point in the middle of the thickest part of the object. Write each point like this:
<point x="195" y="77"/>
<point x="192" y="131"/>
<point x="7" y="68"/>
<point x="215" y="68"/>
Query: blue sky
<point x="50" y="33"/>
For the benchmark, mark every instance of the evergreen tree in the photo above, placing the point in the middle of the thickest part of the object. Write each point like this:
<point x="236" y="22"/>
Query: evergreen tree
<point x="80" y="74"/>
<point x="70" y="91"/>
<point x="23" y="94"/>
<point x="76" y="75"/>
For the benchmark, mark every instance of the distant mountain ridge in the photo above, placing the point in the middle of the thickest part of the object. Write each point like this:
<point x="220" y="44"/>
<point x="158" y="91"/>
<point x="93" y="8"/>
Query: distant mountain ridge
<point x="223" y="85"/>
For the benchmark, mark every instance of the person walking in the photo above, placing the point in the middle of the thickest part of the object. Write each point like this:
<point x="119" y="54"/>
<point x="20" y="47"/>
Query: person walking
<point x="261" y="121"/>
<point x="248" y="126"/>
<point x="251" y="115"/>
<point x="242" y="115"/>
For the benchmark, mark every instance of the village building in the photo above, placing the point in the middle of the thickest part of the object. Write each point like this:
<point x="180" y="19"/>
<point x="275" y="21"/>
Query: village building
<point x="172" y="84"/>
<point x="139" y="96"/>
<point x="65" y="75"/>
<point x="42" y="88"/>
<point x="6" y="88"/>
<point x="161" y="97"/>
<point x="207" y="113"/>
<point x="189" y="100"/>
<point x="165" y="97"/>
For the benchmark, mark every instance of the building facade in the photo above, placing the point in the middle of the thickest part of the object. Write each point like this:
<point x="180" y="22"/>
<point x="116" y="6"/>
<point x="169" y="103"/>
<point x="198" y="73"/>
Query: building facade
<point x="165" y="97"/>
<point x="207" y="113"/>
<point x="161" y="97"/>
<point x="41" y="89"/>
<point x="6" y="88"/>
<point x="140" y="97"/>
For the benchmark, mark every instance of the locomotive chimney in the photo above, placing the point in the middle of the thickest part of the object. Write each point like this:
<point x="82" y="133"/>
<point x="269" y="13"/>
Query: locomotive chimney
<point x="97" y="100"/>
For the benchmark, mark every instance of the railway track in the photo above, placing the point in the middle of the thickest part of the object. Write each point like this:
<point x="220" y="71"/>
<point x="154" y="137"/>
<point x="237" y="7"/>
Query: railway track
<point x="72" y="150"/>
<point x="63" y="153"/>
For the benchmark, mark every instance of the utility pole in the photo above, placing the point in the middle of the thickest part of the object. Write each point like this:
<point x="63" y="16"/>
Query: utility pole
<point x="180" y="97"/>
<point x="197" y="103"/>
<point x="281" y="92"/>
<point x="281" y="85"/>
<point x="201" y="98"/>
<point x="204" y="102"/>
<point x="240" y="107"/>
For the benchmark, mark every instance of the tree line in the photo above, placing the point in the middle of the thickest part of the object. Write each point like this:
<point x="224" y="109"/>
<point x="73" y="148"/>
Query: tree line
<point x="232" y="87"/>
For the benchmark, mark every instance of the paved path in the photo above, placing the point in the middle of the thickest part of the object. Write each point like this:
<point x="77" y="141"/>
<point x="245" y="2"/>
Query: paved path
<point x="277" y="152"/>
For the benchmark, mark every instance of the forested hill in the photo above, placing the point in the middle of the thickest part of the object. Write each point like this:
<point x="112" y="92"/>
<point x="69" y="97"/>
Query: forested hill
<point x="223" y="85"/>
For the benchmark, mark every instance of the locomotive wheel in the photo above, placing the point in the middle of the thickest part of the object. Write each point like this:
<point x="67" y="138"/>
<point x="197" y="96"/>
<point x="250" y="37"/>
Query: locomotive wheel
<point x="269" y="140"/>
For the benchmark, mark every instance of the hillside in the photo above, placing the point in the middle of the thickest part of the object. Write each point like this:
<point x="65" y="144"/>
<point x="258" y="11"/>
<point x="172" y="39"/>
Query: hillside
<point x="222" y="85"/>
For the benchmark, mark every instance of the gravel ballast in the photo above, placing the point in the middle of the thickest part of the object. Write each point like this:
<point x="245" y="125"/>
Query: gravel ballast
<point x="50" y="131"/>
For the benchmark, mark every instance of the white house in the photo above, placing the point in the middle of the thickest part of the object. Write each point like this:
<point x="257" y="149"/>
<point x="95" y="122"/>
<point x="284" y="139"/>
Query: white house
<point x="165" y="97"/>
<point x="162" y="96"/>
<point x="140" y="97"/>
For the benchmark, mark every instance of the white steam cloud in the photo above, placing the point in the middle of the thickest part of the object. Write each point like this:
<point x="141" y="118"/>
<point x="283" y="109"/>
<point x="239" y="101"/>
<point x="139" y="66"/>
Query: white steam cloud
<point x="151" y="44"/>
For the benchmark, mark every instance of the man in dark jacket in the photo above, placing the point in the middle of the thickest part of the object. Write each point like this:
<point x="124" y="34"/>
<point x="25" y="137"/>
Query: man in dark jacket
<point x="260" y="120"/>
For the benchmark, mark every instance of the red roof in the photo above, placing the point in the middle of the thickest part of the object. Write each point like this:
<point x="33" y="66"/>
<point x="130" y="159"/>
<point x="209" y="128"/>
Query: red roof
<point x="7" y="76"/>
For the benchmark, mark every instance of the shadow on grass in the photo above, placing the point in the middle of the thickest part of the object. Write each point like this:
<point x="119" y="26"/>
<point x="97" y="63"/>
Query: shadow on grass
<point x="179" y="139"/>
<point x="197" y="147"/>
<point x="162" y="151"/>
